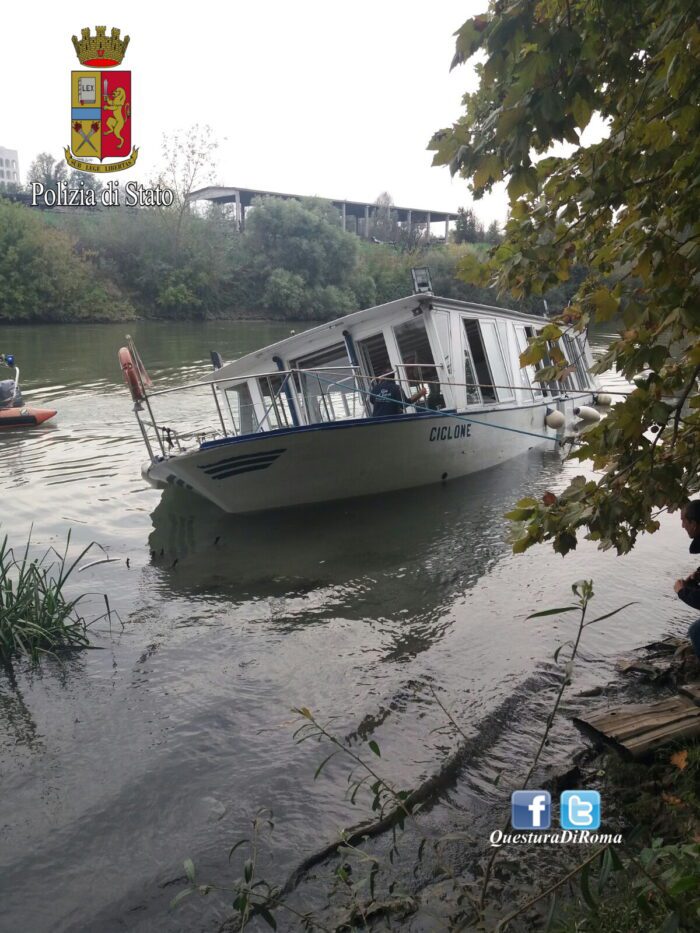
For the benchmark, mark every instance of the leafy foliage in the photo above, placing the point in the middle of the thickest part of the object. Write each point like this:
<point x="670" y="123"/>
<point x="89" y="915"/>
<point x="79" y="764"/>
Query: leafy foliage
<point x="47" y="171"/>
<point x="43" y="276"/>
<point x="304" y="260"/>
<point x="625" y="208"/>
<point x="292" y="260"/>
<point x="654" y="881"/>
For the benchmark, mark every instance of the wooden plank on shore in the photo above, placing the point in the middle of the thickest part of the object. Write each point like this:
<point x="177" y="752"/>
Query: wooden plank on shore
<point x="654" y="669"/>
<point x="692" y="691"/>
<point x="636" y="730"/>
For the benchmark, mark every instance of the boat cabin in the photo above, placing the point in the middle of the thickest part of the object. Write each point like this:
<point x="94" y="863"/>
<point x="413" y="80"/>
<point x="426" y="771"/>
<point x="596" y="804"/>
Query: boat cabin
<point x="464" y="355"/>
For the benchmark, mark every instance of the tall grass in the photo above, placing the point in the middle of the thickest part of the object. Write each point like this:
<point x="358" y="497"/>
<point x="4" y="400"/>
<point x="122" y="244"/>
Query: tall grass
<point x="36" y="616"/>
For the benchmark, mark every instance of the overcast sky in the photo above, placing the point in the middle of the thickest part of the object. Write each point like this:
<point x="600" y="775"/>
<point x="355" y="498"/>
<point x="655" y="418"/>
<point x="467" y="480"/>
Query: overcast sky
<point x="311" y="97"/>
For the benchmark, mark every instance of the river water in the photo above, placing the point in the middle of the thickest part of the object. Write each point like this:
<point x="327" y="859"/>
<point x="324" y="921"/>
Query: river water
<point x="119" y="763"/>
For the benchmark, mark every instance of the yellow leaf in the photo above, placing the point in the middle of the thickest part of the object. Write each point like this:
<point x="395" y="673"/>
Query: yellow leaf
<point x="488" y="170"/>
<point x="582" y="111"/>
<point x="550" y="332"/>
<point x="672" y="800"/>
<point x="473" y="270"/>
<point x="680" y="759"/>
<point x="508" y="120"/>
<point x="605" y="304"/>
<point x="643" y="267"/>
<point x="521" y="545"/>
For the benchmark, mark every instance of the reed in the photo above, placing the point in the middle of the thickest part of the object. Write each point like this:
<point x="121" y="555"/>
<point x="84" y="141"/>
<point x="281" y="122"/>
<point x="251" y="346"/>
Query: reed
<point x="36" y="615"/>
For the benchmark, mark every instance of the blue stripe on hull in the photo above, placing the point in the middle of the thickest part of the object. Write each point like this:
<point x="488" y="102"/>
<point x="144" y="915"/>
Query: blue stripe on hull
<point x="234" y="466"/>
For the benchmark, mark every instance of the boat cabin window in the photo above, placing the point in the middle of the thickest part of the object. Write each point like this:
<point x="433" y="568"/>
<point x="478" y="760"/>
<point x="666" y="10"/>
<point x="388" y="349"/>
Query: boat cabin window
<point x="527" y="373"/>
<point x="443" y="326"/>
<point x="497" y="361"/>
<point x="374" y="355"/>
<point x="328" y="386"/>
<point x="277" y="413"/>
<point x="241" y="409"/>
<point x="547" y="388"/>
<point x="574" y="349"/>
<point x="477" y="371"/>
<point x="417" y="361"/>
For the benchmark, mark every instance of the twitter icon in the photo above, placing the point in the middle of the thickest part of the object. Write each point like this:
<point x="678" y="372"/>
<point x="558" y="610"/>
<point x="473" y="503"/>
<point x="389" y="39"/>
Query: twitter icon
<point x="579" y="809"/>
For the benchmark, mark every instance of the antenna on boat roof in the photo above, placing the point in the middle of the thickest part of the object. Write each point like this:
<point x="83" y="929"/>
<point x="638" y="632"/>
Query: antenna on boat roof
<point x="421" y="281"/>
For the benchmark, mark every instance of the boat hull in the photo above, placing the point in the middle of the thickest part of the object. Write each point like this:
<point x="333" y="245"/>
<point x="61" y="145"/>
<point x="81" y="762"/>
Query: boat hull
<point x="346" y="459"/>
<point x="24" y="417"/>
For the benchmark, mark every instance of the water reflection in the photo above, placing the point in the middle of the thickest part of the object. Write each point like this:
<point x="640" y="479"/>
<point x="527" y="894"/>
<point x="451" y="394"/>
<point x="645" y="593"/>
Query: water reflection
<point x="399" y="562"/>
<point x="19" y="726"/>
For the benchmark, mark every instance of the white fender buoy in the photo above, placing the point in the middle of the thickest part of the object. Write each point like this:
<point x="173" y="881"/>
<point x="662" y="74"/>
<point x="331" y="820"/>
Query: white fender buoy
<point x="554" y="419"/>
<point x="587" y="414"/>
<point x="603" y="400"/>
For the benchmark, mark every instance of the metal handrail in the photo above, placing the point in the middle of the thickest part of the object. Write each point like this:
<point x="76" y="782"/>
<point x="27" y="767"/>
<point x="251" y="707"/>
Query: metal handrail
<point x="355" y="381"/>
<point x="244" y="378"/>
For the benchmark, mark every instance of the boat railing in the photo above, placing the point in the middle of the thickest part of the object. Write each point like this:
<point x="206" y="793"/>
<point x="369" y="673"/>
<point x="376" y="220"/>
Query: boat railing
<point x="428" y="374"/>
<point x="289" y="397"/>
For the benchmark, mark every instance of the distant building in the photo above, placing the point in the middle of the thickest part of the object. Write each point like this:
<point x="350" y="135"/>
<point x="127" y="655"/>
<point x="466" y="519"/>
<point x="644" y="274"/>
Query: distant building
<point x="361" y="212"/>
<point x="9" y="167"/>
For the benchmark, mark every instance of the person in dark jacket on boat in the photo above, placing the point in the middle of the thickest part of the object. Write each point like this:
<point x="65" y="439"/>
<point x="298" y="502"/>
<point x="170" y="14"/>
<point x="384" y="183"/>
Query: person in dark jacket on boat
<point x="389" y="398"/>
<point x="689" y="589"/>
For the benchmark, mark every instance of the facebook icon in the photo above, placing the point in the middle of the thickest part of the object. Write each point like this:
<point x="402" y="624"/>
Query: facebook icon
<point x="579" y="809"/>
<point x="530" y="809"/>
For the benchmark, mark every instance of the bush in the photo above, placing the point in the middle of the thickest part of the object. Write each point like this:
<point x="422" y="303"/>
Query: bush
<point x="42" y="277"/>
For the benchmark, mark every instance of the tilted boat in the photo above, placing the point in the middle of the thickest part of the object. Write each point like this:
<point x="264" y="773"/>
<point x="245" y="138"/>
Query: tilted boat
<point x="296" y="421"/>
<point x="13" y="412"/>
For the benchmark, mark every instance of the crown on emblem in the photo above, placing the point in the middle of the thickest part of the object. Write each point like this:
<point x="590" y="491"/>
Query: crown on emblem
<point x="100" y="50"/>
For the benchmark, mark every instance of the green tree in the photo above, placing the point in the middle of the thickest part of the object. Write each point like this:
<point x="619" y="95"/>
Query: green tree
<point x="465" y="226"/>
<point x="468" y="227"/>
<point x="304" y="240"/>
<point x="189" y="162"/>
<point x="493" y="234"/>
<point x="384" y="225"/>
<point x="285" y="292"/>
<point x="625" y="206"/>
<point x="46" y="170"/>
<point x="42" y="278"/>
<point x="89" y="180"/>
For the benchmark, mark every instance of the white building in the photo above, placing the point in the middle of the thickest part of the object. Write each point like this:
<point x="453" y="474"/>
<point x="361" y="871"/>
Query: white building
<point x="9" y="167"/>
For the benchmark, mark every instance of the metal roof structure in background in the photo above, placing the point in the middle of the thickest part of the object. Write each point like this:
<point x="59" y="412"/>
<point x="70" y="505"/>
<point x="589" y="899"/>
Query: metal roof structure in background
<point x="361" y="211"/>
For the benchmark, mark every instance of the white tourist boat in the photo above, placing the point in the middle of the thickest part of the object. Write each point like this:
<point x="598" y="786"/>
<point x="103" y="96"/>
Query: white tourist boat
<point x="294" y="421"/>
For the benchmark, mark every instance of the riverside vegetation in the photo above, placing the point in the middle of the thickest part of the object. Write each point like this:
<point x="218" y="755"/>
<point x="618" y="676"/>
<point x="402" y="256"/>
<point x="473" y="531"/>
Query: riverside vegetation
<point x="293" y="261"/>
<point x="37" y="617"/>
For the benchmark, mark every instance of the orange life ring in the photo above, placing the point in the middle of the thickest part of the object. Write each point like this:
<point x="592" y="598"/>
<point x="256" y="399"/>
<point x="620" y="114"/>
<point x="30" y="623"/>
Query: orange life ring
<point x="131" y="375"/>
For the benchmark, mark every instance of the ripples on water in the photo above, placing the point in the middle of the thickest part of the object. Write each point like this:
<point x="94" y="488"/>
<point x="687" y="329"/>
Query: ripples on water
<point x="119" y="763"/>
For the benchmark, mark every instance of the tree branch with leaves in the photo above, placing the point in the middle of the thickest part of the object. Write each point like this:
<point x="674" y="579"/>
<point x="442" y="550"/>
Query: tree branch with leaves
<point x="625" y="206"/>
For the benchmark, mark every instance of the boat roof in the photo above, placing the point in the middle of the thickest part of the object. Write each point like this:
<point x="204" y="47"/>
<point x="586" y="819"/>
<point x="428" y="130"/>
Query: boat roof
<point x="299" y="344"/>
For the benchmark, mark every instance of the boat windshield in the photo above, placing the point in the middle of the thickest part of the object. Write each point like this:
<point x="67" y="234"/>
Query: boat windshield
<point x="328" y="386"/>
<point x="242" y="410"/>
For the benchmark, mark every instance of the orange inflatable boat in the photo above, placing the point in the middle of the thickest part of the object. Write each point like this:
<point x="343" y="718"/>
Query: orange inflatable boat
<point x="13" y="412"/>
<point x="24" y="417"/>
